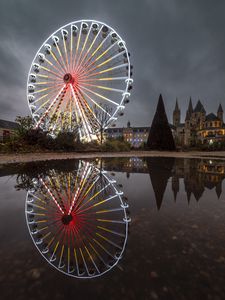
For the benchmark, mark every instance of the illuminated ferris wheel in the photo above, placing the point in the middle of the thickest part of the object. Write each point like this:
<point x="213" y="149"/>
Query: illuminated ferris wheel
<point x="78" y="220"/>
<point x="81" y="72"/>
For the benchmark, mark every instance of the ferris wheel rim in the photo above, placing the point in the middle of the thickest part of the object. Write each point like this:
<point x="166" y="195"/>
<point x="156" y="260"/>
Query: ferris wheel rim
<point x="117" y="259"/>
<point x="128" y="79"/>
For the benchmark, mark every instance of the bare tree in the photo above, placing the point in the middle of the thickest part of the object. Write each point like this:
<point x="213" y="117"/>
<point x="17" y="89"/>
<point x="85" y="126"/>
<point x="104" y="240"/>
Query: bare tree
<point x="103" y="115"/>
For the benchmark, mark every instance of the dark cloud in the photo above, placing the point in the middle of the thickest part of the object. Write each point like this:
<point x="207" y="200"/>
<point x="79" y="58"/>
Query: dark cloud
<point x="177" y="48"/>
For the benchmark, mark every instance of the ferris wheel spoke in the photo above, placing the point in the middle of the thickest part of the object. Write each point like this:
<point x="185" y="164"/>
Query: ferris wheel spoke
<point x="98" y="105"/>
<point x="82" y="198"/>
<point x="90" y="111"/>
<point x="61" y="57"/>
<point x="96" y="204"/>
<point x="103" y="79"/>
<point x="106" y="70"/>
<point x="77" y="48"/>
<point x="109" y="240"/>
<point x="94" y="196"/>
<point x="51" y="195"/>
<point x="98" y="255"/>
<point x="58" y="114"/>
<point x="80" y="110"/>
<point x="103" y="248"/>
<point x="48" y="82"/>
<point x="99" y="95"/>
<point x="96" y="50"/>
<point x="83" y="47"/>
<point x="41" y="98"/>
<point x="89" y="49"/>
<point x="63" y="89"/>
<point x="101" y="87"/>
<point x="53" y="185"/>
<point x="43" y="90"/>
<point x="57" y="61"/>
<point x="65" y="50"/>
<point x="84" y="176"/>
<point x="59" y="70"/>
<point x="100" y="56"/>
<point x="111" y="231"/>
<point x="64" y="117"/>
<point x="91" y="60"/>
<point x="105" y="62"/>
<point x="74" y="106"/>
<point x="50" y="71"/>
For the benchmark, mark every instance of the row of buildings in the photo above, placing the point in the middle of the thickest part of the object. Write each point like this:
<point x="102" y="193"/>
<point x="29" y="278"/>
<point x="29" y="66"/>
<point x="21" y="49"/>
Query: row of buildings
<point x="198" y="128"/>
<point x="136" y="136"/>
<point x="7" y="128"/>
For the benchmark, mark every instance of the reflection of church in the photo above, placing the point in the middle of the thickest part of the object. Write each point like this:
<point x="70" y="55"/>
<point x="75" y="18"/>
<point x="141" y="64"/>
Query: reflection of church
<point x="198" y="127"/>
<point x="197" y="174"/>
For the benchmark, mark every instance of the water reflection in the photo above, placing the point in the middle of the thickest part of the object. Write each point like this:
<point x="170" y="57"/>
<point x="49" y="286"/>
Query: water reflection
<point x="77" y="219"/>
<point x="195" y="174"/>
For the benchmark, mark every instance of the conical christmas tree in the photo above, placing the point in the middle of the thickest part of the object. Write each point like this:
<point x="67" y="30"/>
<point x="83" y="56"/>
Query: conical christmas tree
<point x="160" y="135"/>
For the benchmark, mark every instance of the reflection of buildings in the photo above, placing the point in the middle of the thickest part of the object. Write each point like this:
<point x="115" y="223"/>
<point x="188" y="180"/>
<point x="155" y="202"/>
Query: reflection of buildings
<point x="127" y="165"/>
<point x="197" y="174"/>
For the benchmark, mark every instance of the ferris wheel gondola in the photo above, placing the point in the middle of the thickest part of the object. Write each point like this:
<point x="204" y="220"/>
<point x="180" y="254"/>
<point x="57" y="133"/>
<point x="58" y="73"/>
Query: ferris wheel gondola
<point x="82" y="70"/>
<point x="78" y="220"/>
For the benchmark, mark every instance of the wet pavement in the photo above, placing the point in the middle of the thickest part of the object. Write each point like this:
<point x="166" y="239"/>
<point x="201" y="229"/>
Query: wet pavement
<point x="175" y="242"/>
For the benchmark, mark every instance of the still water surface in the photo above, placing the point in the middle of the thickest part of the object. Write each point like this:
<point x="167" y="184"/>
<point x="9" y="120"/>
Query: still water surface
<point x="66" y="230"/>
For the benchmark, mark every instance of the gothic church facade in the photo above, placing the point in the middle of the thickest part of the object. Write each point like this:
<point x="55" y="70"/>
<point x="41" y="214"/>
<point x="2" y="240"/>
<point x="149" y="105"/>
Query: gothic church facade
<point x="199" y="127"/>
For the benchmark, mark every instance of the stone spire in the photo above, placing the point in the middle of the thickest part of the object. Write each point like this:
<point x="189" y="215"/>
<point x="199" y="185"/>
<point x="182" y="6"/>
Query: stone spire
<point x="199" y="107"/>
<point x="220" y="112"/>
<point x="189" y="110"/>
<point x="176" y="115"/>
<point x="176" y="105"/>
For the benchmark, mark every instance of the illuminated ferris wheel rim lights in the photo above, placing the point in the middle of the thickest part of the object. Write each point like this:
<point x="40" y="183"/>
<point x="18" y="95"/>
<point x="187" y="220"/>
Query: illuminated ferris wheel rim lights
<point x="67" y="218"/>
<point x="84" y="26"/>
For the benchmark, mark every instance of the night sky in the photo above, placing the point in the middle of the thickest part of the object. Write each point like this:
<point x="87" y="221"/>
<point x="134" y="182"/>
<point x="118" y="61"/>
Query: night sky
<point x="177" y="48"/>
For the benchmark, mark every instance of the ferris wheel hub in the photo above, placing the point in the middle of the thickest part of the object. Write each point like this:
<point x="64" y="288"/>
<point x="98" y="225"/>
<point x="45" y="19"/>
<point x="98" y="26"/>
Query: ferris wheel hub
<point x="68" y="78"/>
<point x="66" y="219"/>
<point x="79" y="80"/>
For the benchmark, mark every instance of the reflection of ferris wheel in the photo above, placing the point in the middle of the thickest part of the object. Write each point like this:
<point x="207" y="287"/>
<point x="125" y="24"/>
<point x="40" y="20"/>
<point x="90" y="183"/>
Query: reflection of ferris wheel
<point x="78" y="221"/>
<point x="82" y="70"/>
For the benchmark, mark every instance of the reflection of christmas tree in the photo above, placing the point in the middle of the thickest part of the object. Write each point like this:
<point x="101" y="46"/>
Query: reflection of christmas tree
<point x="160" y="135"/>
<point x="160" y="170"/>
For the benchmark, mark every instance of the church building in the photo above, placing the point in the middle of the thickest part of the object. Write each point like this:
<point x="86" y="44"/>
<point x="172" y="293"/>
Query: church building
<point x="199" y="127"/>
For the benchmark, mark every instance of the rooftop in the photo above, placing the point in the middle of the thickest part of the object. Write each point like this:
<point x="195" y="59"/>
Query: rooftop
<point x="8" y="124"/>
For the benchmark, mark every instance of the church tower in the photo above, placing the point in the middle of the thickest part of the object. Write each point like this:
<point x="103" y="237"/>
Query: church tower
<point x="189" y="111"/>
<point x="176" y="115"/>
<point x="220" y="112"/>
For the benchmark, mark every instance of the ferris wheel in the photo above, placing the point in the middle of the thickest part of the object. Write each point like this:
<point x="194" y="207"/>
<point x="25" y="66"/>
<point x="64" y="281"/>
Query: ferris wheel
<point x="78" y="220"/>
<point x="80" y="78"/>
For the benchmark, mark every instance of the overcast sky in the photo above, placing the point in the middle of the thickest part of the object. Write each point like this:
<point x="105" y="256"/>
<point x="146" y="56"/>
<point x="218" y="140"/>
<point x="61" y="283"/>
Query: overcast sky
<point x="177" y="48"/>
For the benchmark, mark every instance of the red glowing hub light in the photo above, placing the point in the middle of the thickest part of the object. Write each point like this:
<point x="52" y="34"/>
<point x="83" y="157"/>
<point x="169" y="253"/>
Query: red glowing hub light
<point x="67" y="219"/>
<point x="68" y="78"/>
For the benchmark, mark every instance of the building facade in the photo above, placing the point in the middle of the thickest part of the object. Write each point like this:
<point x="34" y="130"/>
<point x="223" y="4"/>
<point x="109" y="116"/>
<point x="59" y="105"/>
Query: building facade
<point x="7" y="129"/>
<point x="136" y="136"/>
<point x="199" y="127"/>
